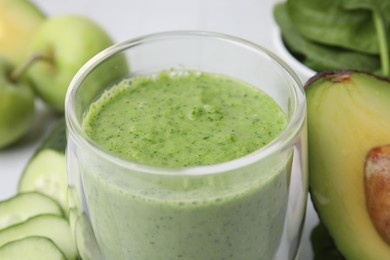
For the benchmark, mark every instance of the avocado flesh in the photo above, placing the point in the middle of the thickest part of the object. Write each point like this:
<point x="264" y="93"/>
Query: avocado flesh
<point x="348" y="115"/>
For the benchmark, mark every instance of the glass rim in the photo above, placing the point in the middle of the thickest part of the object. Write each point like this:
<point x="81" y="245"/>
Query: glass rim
<point x="295" y="123"/>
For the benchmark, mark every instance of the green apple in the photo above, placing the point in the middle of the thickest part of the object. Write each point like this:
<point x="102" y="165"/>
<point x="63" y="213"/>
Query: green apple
<point x="16" y="106"/>
<point x="66" y="43"/>
<point x="19" y="20"/>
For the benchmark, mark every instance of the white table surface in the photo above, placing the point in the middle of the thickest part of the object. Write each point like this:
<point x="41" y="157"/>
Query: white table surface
<point x="124" y="19"/>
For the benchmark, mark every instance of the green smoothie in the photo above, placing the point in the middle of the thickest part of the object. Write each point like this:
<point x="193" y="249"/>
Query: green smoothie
<point x="186" y="120"/>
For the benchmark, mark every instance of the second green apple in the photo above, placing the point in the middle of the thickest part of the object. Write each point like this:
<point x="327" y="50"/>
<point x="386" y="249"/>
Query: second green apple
<point x="65" y="44"/>
<point x="16" y="105"/>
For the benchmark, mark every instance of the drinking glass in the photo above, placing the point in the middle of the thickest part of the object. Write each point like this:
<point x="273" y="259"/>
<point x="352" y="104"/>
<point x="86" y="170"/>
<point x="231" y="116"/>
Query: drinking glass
<point x="251" y="207"/>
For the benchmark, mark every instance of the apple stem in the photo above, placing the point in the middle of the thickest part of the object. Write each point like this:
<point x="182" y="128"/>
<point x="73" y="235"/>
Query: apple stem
<point x="20" y="70"/>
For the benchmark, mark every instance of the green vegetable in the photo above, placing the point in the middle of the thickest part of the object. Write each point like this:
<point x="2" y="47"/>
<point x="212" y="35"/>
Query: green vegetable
<point x="322" y="244"/>
<point x="380" y="13"/>
<point x="333" y="34"/>
<point x="318" y="56"/>
<point x="50" y="226"/>
<point x="46" y="170"/>
<point x="31" y="248"/>
<point x="24" y="206"/>
<point x="330" y="23"/>
<point x="32" y="223"/>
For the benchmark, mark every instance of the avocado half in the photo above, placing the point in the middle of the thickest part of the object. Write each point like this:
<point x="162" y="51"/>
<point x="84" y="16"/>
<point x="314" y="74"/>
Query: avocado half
<point x="348" y="116"/>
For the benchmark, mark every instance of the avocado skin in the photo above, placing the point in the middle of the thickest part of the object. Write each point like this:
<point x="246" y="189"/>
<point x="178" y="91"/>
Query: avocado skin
<point x="334" y="74"/>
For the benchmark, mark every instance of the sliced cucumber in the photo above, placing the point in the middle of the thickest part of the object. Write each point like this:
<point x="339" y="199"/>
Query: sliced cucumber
<point x="85" y="239"/>
<point x="81" y="229"/>
<point x="31" y="248"/>
<point x="26" y="205"/>
<point x="46" y="171"/>
<point x="50" y="226"/>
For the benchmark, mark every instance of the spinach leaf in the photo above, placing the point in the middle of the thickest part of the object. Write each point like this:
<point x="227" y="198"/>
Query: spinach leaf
<point x="322" y="244"/>
<point x="320" y="57"/>
<point x="328" y="22"/>
<point x="381" y="18"/>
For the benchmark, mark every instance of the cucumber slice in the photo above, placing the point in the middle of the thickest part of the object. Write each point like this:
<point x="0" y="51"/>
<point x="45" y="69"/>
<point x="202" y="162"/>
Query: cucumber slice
<point x="85" y="239"/>
<point x="46" y="170"/>
<point x="50" y="226"/>
<point x="81" y="228"/>
<point x="46" y="173"/>
<point x="31" y="248"/>
<point x="26" y="205"/>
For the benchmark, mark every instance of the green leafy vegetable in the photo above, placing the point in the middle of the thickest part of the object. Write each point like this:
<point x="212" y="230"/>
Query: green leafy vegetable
<point x="318" y="56"/>
<point x="328" y="22"/>
<point x="381" y="19"/>
<point x="338" y="34"/>
<point x="322" y="245"/>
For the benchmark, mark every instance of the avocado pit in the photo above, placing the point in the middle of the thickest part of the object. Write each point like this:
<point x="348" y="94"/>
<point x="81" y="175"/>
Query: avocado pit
<point x="377" y="189"/>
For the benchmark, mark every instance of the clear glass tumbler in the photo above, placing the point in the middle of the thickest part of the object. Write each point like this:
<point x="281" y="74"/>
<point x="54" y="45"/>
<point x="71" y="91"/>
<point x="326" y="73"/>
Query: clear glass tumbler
<point x="252" y="207"/>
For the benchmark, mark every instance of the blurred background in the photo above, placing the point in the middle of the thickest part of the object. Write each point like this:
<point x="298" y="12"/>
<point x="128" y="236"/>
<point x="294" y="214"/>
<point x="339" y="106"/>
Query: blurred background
<point x="250" y="19"/>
